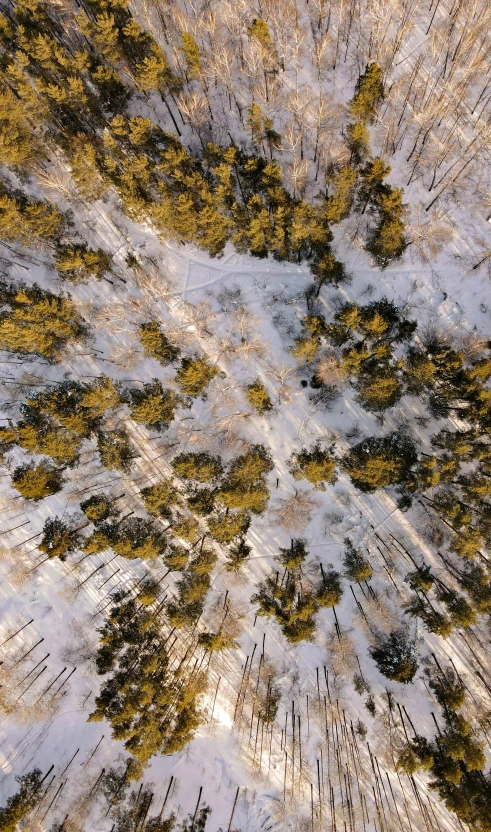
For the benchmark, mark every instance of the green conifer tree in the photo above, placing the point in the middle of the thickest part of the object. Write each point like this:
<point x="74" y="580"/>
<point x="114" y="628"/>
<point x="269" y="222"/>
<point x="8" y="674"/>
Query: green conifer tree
<point x="35" y="482"/>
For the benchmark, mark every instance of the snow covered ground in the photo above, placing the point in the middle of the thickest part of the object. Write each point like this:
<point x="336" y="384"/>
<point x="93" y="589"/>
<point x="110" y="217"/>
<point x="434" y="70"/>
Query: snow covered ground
<point x="327" y="779"/>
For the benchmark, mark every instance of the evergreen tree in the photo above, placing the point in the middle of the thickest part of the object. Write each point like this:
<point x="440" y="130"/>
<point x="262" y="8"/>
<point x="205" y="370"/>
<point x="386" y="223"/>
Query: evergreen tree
<point x="237" y="555"/>
<point x="150" y="707"/>
<point x="369" y="93"/>
<point x="343" y="184"/>
<point x="35" y="482"/>
<point x="379" y="462"/>
<point x="330" y="590"/>
<point x="294" y="556"/>
<point x="395" y="657"/>
<point x="158" y="498"/>
<point x="36" y="321"/>
<point x="98" y="508"/>
<point x="59" y="539"/>
<point x="115" y="449"/>
<point x="201" y="467"/>
<point x="317" y="466"/>
<point x="224" y="529"/>
<point x="379" y="387"/>
<point x="153" y="405"/>
<point x="357" y="568"/>
<point x="22" y="802"/>
<point x="194" y="375"/>
<point x="156" y="344"/>
<point x="245" y="486"/>
<point x="258" y="397"/>
<point x="77" y="262"/>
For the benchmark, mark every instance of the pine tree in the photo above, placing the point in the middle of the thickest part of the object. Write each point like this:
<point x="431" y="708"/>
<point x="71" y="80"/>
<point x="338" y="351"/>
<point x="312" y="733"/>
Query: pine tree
<point x="202" y="467"/>
<point x="194" y="376"/>
<point x="369" y="93"/>
<point x="317" y="466"/>
<point x="153" y="405"/>
<point x="22" y="802"/>
<point x="245" y="486"/>
<point x="158" y="498"/>
<point x="115" y="449"/>
<point x="357" y="567"/>
<point x="77" y="262"/>
<point x="35" y="482"/>
<point x="379" y="462"/>
<point x="192" y="55"/>
<point x="98" y="507"/>
<point x="343" y="184"/>
<point x="379" y="387"/>
<point x="156" y="344"/>
<point x="224" y="529"/>
<point x="258" y="397"/>
<point x="237" y="555"/>
<point x="59" y="539"/>
<point x="395" y="657"/>
<point x="330" y="590"/>
<point x="294" y="555"/>
<point x="37" y="321"/>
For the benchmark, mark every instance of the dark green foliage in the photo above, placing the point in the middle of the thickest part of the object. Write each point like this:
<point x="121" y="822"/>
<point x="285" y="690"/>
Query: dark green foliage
<point x="35" y="482"/>
<point x="115" y="449"/>
<point x="395" y="657"/>
<point x="379" y="462"/>
<point x="153" y="406"/>
<point x="202" y="467"/>
<point x="22" y="802"/>
<point x="150" y="707"/>
<point x="156" y="344"/>
<point x="59" y="538"/>
<point x="357" y="568"/>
